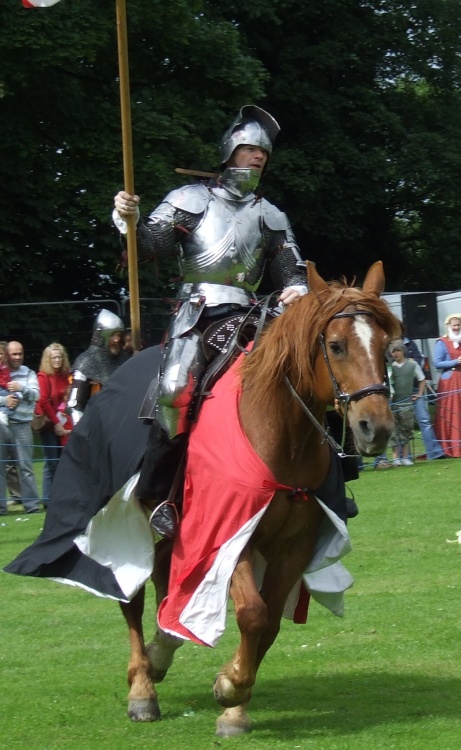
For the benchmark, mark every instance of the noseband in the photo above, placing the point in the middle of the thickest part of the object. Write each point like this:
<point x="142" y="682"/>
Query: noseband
<point x="341" y="398"/>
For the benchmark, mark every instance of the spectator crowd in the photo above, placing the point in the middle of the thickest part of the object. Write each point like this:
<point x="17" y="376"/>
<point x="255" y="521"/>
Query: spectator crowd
<point x="38" y="410"/>
<point x="410" y="399"/>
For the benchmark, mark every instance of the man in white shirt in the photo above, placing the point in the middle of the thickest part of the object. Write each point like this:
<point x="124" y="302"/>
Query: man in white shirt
<point x="17" y="434"/>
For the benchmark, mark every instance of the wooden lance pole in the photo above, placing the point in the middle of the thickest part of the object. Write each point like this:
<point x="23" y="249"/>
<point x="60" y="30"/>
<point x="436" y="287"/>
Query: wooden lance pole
<point x="133" y="283"/>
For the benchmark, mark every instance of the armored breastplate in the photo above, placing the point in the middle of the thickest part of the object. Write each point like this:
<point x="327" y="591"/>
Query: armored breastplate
<point x="226" y="248"/>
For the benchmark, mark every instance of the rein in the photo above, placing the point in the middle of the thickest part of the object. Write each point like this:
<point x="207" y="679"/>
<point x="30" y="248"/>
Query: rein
<point x="326" y="435"/>
<point x="341" y="398"/>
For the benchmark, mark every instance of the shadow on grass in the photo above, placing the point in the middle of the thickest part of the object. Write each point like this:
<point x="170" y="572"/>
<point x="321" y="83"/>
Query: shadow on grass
<point x="349" y="703"/>
<point x="331" y="705"/>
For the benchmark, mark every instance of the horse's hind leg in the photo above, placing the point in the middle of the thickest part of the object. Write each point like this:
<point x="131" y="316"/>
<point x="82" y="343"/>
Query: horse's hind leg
<point x="142" y="698"/>
<point x="161" y="651"/>
<point x="162" y="648"/>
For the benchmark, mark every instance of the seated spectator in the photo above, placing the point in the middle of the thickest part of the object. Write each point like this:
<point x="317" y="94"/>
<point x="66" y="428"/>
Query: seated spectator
<point x="53" y="381"/>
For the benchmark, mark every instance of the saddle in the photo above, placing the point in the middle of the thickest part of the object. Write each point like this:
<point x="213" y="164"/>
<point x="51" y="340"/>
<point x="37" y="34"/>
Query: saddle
<point x="222" y="341"/>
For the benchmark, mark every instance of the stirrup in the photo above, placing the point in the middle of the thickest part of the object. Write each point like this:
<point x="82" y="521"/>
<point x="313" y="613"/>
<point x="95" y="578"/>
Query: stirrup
<point x="352" y="509"/>
<point x="164" y="520"/>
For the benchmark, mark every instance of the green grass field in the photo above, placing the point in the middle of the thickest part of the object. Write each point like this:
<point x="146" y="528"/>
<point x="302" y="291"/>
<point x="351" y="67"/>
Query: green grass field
<point x="384" y="676"/>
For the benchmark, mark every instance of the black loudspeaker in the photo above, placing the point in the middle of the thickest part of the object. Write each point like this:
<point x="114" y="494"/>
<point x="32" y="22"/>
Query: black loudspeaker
<point x="420" y="315"/>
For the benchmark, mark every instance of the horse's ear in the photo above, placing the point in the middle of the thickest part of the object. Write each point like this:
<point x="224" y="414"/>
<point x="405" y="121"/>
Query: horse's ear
<point x="375" y="279"/>
<point x="314" y="281"/>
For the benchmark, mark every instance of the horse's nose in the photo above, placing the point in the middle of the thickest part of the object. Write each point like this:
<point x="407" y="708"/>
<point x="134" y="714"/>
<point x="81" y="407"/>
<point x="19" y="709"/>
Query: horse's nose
<point x="374" y="435"/>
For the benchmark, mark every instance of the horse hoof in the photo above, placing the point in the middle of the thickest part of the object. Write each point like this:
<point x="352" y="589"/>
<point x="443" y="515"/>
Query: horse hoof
<point x="229" y="730"/>
<point x="227" y="695"/>
<point x="144" y="709"/>
<point x="232" y="723"/>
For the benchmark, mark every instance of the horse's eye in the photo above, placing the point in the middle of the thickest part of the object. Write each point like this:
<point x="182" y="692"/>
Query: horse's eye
<point x="335" y="348"/>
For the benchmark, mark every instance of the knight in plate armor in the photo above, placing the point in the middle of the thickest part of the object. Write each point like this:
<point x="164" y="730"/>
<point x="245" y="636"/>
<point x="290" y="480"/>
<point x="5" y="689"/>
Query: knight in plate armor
<point x="225" y="235"/>
<point x="96" y="364"/>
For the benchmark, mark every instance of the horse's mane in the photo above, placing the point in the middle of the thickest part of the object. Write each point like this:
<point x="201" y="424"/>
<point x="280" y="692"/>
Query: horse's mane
<point x="290" y="345"/>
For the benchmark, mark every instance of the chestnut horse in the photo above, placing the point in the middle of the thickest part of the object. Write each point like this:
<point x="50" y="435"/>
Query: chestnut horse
<point x="326" y="349"/>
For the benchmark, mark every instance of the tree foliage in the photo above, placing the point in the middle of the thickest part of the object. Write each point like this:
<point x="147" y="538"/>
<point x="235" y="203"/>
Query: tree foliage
<point x="61" y="150"/>
<point x="368" y="161"/>
<point x="367" y="166"/>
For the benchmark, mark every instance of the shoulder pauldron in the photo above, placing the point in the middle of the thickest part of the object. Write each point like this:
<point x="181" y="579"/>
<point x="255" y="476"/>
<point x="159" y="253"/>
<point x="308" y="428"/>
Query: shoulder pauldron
<point x="191" y="198"/>
<point x="274" y="219"/>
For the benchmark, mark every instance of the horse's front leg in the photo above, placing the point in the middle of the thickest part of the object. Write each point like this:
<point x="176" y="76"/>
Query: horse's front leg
<point x="259" y="615"/>
<point x="142" y="698"/>
<point x="284" y="572"/>
<point x="233" y="684"/>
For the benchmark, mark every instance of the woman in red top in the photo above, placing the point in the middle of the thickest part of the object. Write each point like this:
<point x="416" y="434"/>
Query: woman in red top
<point x="53" y="380"/>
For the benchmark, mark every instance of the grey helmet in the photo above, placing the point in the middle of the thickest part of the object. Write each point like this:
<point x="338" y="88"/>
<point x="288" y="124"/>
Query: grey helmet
<point x="105" y="325"/>
<point x="253" y="126"/>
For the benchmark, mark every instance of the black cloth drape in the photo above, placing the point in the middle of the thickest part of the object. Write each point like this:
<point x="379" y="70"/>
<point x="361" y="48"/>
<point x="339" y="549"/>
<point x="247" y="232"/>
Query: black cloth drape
<point x="104" y="450"/>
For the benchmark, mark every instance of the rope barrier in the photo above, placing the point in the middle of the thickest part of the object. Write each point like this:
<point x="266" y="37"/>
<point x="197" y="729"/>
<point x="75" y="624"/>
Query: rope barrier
<point x="432" y="398"/>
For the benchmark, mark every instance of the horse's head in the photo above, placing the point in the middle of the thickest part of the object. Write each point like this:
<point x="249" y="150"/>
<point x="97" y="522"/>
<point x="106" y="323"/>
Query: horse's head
<point x="330" y="347"/>
<point x="354" y="330"/>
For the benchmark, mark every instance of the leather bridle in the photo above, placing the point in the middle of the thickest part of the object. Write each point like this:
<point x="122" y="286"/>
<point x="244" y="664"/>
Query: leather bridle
<point x="342" y="399"/>
<point x="345" y="398"/>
